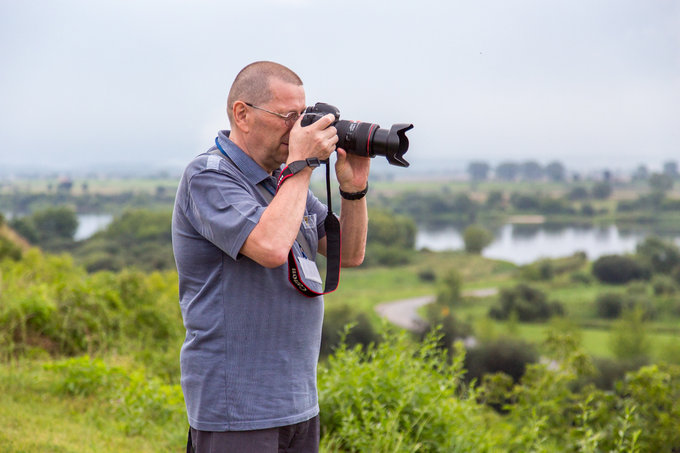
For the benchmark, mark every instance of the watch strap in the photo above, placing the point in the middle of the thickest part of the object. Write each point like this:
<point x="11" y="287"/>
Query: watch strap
<point x="354" y="195"/>
<point x="296" y="167"/>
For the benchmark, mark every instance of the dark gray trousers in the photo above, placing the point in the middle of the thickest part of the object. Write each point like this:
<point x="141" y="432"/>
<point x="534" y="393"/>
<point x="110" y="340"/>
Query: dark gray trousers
<point x="299" y="438"/>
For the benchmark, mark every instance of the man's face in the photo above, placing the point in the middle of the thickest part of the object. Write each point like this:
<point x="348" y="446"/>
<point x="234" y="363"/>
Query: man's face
<point x="271" y="131"/>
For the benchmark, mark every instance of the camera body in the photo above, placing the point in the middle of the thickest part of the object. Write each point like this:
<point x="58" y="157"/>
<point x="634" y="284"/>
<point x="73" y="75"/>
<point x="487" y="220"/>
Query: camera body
<point x="364" y="139"/>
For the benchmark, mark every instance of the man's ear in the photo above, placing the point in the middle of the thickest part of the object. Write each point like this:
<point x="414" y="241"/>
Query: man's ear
<point x="241" y="117"/>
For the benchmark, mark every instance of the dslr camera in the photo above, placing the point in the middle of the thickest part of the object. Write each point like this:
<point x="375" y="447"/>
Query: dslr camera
<point x="364" y="139"/>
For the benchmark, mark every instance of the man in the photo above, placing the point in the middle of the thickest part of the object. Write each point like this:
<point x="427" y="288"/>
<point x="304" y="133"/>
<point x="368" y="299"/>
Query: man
<point x="249" y="358"/>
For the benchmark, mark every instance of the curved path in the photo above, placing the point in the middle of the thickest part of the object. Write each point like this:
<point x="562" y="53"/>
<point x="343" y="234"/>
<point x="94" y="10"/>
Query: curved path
<point x="404" y="313"/>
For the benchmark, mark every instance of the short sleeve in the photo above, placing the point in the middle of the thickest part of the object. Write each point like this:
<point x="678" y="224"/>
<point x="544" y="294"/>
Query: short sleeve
<point x="223" y="209"/>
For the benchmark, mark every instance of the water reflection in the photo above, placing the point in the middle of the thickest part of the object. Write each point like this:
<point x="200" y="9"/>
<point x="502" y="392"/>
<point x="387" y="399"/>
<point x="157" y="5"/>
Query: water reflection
<point x="89" y="224"/>
<point x="524" y="244"/>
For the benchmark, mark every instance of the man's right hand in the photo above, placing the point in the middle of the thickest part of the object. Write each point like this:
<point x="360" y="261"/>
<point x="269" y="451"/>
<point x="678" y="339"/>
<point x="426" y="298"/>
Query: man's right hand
<point x="316" y="140"/>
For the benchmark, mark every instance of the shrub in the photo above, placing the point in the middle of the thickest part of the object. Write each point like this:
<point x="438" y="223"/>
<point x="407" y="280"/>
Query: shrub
<point x="391" y="229"/>
<point x="629" y="338"/>
<point x="578" y="193"/>
<point x="427" y="275"/>
<point x="441" y="319"/>
<point x="610" y="371"/>
<point x="356" y="326"/>
<point x="663" y="285"/>
<point x="661" y="256"/>
<point x="384" y="255"/>
<point x="530" y="304"/>
<point x="602" y="190"/>
<point x="581" y="277"/>
<point x="617" y="269"/>
<point x="610" y="305"/>
<point x="476" y="238"/>
<point x="505" y="355"/>
<point x="538" y="270"/>
<point x="449" y="289"/>
<point x="9" y="249"/>
<point x="399" y="396"/>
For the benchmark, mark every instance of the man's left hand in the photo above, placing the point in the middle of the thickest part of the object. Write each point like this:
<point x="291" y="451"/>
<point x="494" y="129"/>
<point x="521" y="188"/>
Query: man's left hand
<point x="352" y="171"/>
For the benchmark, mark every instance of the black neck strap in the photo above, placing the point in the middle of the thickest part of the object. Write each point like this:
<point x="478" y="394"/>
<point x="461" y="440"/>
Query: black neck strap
<point x="333" y="251"/>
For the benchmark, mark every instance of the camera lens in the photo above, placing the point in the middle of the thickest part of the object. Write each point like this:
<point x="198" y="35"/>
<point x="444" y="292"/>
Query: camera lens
<point x="369" y="140"/>
<point x="364" y="139"/>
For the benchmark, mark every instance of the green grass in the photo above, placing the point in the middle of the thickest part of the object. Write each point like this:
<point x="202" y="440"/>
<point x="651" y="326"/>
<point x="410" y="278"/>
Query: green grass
<point x="35" y="419"/>
<point x="364" y="288"/>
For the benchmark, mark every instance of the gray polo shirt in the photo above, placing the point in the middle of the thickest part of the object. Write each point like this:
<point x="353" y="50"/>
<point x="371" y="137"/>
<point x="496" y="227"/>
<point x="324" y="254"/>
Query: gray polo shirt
<point x="252" y="340"/>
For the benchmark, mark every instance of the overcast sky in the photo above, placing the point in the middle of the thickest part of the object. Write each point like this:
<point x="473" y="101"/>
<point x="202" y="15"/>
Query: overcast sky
<point x="592" y="83"/>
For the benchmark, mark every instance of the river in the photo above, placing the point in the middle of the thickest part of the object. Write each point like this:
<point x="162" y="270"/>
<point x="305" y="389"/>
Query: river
<point x="523" y="244"/>
<point x="520" y="244"/>
<point x="89" y="224"/>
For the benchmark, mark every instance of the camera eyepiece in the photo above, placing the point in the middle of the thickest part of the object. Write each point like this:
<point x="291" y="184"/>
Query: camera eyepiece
<point x="364" y="139"/>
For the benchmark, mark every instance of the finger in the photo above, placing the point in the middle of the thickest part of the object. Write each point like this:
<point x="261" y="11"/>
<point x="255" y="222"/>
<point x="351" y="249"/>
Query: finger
<point x="324" y="121"/>
<point x="342" y="156"/>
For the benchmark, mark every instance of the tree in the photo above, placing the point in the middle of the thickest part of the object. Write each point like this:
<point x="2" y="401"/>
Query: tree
<point x="507" y="171"/>
<point x="478" y="171"/>
<point x="391" y="229"/>
<point x="555" y="171"/>
<point x="578" y="193"/>
<point x="602" y="190"/>
<point x="660" y="255"/>
<point x="531" y="170"/>
<point x="641" y="173"/>
<point x="59" y="222"/>
<point x="629" y="339"/>
<point x="450" y="289"/>
<point x="617" y="269"/>
<point x="660" y="182"/>
<point x="671" y="169"/>
<point x="494" y="199"/>
<point x="476" y="238"/>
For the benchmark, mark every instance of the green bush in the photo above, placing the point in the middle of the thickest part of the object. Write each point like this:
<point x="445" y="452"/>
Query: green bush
<point x="629" y="339"/>
<point x="661" y="256"/>
<point x="538" y="270"/>
<point x="441" y="319"/>
<point x="391" y="229"/>
<point x="357" y="328"/>
<point x="449" y="291"/>
<point x="610" y="305"/>
<point x="427" y="275"/>
<point x="9" y="249"/>
<point x="399" y="396"/>
<point x="664" y="285"/>
<point x="47" y="302"/>
<point x="384" y="255"/>
<point x="581" y="277"/>
<point x="476" y="238"/>
<point x="617" y="269"/>
<point x="501" y="355"/>
<point x="529" y="304"/>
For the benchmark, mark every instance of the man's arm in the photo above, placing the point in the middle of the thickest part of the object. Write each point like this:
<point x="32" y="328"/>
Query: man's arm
<point x="273" y="236"/>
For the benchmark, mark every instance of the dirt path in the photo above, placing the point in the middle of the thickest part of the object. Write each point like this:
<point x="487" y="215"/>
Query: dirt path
<point x="404" y="313"/>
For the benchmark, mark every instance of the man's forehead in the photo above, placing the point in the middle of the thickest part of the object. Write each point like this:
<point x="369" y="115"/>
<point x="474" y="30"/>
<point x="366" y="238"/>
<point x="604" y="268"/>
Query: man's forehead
<point x="287" y="93"/>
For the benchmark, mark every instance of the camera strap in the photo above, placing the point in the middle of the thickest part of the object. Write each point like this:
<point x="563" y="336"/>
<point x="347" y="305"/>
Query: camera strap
<point x="298" y="273"/>
<point x="302" y="271"/>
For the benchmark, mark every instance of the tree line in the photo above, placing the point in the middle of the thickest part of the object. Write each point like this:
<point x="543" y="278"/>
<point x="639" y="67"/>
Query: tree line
<point x="555" y="171"/>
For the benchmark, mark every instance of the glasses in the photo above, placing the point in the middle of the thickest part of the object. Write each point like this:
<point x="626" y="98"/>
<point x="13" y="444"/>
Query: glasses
<point x="290" y="118"/>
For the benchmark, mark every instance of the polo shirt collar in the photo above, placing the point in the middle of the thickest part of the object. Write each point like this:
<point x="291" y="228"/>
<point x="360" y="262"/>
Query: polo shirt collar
<point x="250" y="169"/>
